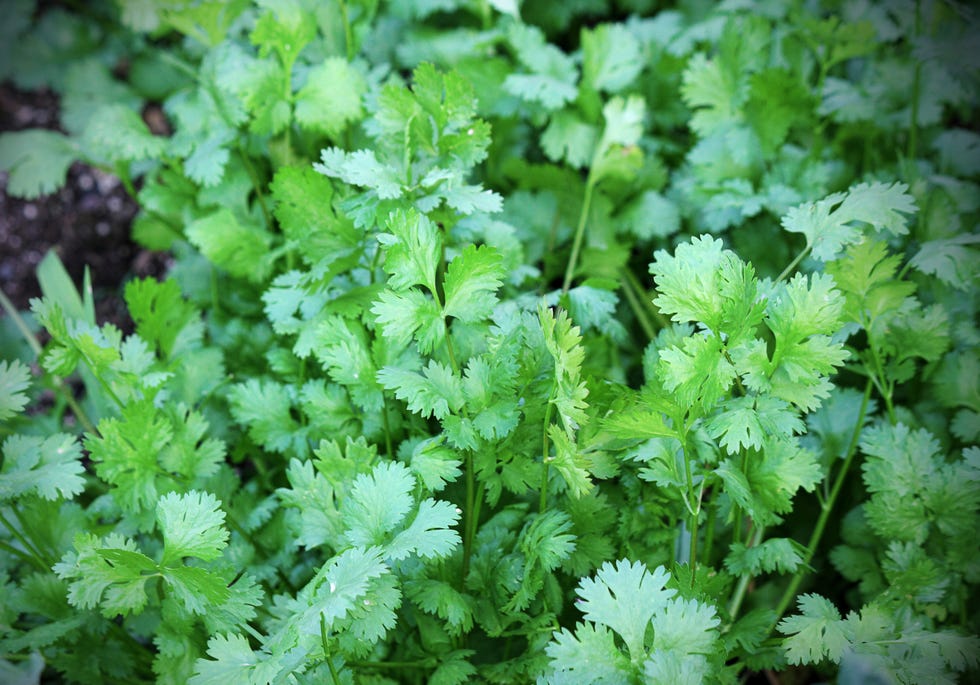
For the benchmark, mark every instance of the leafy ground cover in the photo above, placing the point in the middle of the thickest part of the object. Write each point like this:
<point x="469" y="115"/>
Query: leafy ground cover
<point x="593" y="342"/>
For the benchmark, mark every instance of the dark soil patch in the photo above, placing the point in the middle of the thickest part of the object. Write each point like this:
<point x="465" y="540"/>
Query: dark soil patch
<point x="87" y="222"/>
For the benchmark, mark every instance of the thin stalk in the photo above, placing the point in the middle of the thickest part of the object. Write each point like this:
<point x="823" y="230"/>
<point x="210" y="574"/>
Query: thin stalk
<point x="545" y="449"/>
<point x="709" y="531"/>
<point x="469" y="527"/>
<point x="793" y="264"/>
<point x="386" y="425"/>
<point x="639" y="312"/>
<point x="652" y="312"/>
<point x="583" y="218"/>
<point x="694" y="509"/>
<point x="30" y="558"/>
<point x="348" y="33"/>
<point x="916" y="87"/>
<point x="256" y="184"/>
<point x="36" y="348"/>
<point x="825" y="511"/>
<point x="39" y="559"/>
<point x="334" y="676"/>
<point x="743" y="581"/>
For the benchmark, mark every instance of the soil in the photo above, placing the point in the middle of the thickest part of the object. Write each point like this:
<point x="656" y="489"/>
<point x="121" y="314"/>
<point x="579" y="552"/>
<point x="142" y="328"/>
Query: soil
<point x="87" y="222"/>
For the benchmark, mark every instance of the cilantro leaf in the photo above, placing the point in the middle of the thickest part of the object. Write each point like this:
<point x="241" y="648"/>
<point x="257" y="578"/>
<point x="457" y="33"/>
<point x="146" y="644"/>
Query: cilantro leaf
<point x="192" y="526"/>
<point x="436" y="391"/>
<point x="48" y="467"/>
<point x="240" y="248"/>
<point x="951" y="260"/>
<point x="553" y="76"/>
<point x="360" y="168"/>
<point x="829" y="224"/>
<point x="611" y="57"/>
<point x="233" y="660"/>
<point x="330" y="100"/>
<point x="817" y="633"/>
<point x="413" y="249"/>
<point x="36" y="160"/>
<point x="625" y="597"/>
<point x="15" y="378"/>
<point x="472" y="279"/>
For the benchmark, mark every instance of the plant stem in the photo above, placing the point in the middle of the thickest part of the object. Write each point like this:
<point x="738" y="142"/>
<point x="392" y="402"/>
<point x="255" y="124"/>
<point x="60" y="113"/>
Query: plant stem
<point x="792" y="265"/>
<point x="543" y="498"/>
<point x="39" y="559"/>
<point x="583" y="218"/>
<point x="825" y="511"/>
<point x="743" y="581"/>
<point x="36" y="348"/>
<point x="916" y="87"/>
<point x="387" y="427"/>
<point x="334" y="676"/>
<point x="636" y="305"/>
<point x="469" y="527"/>
<point x="348" y="34"/>
<point x="10" y="549"/>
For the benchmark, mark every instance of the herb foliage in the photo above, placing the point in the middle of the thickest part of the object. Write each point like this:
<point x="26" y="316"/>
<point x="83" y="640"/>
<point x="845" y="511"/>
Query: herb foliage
<point x="505" y="342"/>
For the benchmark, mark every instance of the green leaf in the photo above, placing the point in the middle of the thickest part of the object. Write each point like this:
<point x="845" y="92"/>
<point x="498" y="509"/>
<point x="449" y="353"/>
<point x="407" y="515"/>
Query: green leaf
<point x="264" y="406"/>
<point x="569" y="138"/>
<point x="125" y="453"/>
<point x="330" y="100"/>
<point x="192" y="526"/>
<point x="951" y="260"/>
<point x="407" y="315"/>
<point x="15" y="378"/>
<point x="305" y="212"/>
<point x="240" y="249"/>
<point x="829" y="225"/>
<point x="436" y="391"/>
<point x="48" y="467"/>
<point x="816" y="633"/>
<point x="775" y="554"/>
<point x="198" y="589"/>
<point x="233" y="661"/>
<point x="611" y="57"/>
<point x="430" y="533"/>
<point x="589" y="655"/>
<point x="378" y="503"/>
<point x="36" y="160"/>
<point x="360" y="168"/>
<point x="160" y="312"/>
<point x="106" y="572"/>
<point x="746" y="422"/>
<point x="625" y="597"/>
<point x="413" y="250"/>
<point x="471" y="282"/>
<point x="115" y="133"/>
<point x="553" y="76"/>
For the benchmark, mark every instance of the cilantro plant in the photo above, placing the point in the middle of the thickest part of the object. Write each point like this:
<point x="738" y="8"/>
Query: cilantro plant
<point x="503" y="343"/>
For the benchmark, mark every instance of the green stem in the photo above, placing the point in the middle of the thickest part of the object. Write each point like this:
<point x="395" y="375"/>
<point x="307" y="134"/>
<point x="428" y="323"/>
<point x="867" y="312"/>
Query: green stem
<point x="793" y="264"/>
<point x="694" y="509"/>
<point x="743" y="581"/>
<point x="916" y="86"/>
<point x="545" y="450"/>
<point x="634" y="301"/>
<point x="334" y="676"/>
<point x="583" y="218"/>
<point x="386" y="426"/>
<point x="256" y="184"/>
<point x="30" y="558"/>
<point x="39" y="559"/>
<point x="468" y="515"/>
<point x="348" y="33"/>
<point x="37" y="349"/>
<point x="825" y="511"/>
